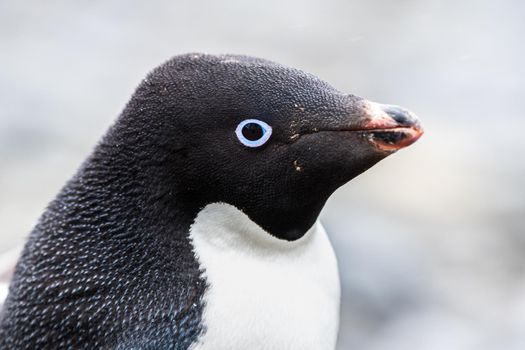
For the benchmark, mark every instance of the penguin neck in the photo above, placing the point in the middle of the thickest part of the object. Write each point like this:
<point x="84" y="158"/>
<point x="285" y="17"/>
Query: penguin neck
<point x="239" y="231"/>
<point x="264" y="292"/>
<point x="152" y="189"/>
<point x="288" y="221"/>
<point x="129" y="191"/>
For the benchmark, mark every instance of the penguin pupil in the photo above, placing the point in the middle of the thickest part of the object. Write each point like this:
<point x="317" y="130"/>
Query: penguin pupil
<point x="252" y="131"/>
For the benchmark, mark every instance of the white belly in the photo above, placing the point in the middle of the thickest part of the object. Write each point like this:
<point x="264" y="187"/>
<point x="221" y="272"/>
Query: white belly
<point x="264" y="293"/>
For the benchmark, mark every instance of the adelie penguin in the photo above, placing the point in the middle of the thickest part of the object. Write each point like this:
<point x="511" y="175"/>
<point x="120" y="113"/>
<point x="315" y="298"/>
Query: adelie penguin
<point x="193" y="224"/>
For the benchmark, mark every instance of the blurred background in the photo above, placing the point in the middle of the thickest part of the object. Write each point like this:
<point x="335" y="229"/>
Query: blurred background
<point x="430" y="242"/>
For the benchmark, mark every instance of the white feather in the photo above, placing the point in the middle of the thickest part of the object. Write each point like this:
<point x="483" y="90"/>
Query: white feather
<point x="7" y="265"/>
<point x="3" y="293"/>
<point x="264" y="292"/>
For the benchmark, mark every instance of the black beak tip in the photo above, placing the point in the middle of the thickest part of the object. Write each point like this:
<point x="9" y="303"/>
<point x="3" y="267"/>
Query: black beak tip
<point x="391" y="127"/>
<point x="401" y="116"/>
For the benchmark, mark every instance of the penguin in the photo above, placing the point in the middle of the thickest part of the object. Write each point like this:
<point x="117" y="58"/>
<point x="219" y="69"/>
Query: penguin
<point x="194" y="222"/>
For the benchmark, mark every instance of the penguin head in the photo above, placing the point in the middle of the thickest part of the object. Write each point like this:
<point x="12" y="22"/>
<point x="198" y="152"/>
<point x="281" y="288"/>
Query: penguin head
<point x="273" y="141"/>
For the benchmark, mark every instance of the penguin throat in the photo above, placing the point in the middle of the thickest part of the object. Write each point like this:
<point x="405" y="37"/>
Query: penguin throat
<point x="238" y="229"/>
<point x="264" y="292"/>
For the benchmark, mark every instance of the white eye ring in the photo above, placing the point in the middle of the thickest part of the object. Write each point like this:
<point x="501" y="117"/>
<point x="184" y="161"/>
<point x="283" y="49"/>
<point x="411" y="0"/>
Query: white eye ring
<point x="259" y="136"/>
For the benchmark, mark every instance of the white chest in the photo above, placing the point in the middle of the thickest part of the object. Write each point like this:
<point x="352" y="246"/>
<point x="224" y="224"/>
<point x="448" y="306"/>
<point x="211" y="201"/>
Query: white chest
<point x="264" y="293"/>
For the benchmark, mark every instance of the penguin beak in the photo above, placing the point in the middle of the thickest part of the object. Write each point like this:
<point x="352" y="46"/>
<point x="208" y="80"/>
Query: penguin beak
<point x="388" y="127"/>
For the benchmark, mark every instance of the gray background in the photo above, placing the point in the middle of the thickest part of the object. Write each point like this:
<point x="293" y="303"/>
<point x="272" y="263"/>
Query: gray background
<point x="430" y="241"/>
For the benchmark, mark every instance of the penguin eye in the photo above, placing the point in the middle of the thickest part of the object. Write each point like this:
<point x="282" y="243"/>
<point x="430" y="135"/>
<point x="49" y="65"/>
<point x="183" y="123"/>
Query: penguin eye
<point x="253" y="132"/>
